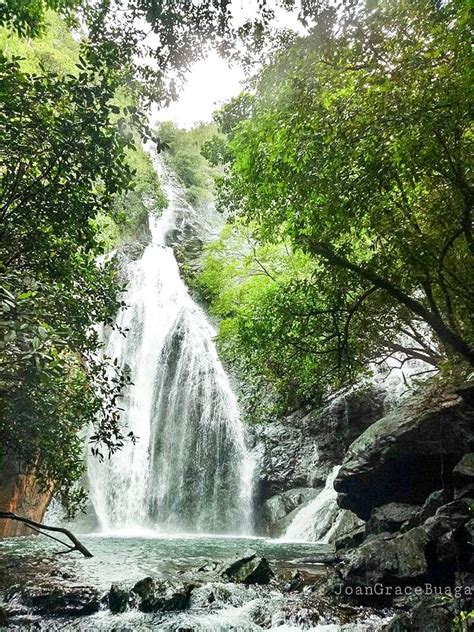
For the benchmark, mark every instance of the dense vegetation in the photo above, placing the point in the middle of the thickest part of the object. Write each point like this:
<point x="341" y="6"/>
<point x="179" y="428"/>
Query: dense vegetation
<point x="349" y="178"/>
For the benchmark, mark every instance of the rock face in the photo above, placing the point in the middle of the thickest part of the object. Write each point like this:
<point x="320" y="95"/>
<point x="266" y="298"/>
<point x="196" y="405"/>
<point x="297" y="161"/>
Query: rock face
<point x="248" y="569"/>
<point x="390" y="517"/>
<point x="20" y="493"/>
<point x="404" y="456"/>
<point x="300" y="451"/>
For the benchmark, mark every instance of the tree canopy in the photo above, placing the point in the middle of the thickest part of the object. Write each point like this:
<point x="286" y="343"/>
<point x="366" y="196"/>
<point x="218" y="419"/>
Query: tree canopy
<point x="355" y="148"/>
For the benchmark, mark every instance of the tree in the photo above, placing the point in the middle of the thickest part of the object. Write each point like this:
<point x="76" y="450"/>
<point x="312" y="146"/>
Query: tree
<point x="63" y="162"/>
<point x="358" y="152"/>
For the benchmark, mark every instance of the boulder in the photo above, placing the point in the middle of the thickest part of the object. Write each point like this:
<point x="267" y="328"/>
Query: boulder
<point x="407" y="454"/>
<point x="390" y="517"/>
<point x="351" y="539"/>
<point x="387" y="560"/>
<point x="118" y="598"/>
<point x="346" y="523"/>
<point x="153" y="595"/>
<point x="250" y="568"/>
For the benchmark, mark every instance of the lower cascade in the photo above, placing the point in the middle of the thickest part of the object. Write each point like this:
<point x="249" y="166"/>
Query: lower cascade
<point x="189" y="469"/>
<point x="316" y="519"/>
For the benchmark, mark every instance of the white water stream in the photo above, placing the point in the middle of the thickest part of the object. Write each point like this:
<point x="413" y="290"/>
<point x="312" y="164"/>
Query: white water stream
<point x="189" y="470"/>
<point x="314" y="520"/>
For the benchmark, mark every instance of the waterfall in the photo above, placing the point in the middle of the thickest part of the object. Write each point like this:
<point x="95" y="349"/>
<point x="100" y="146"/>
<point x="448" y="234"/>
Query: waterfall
<point x="189" y="469"/>
<point x="314" y="520"/>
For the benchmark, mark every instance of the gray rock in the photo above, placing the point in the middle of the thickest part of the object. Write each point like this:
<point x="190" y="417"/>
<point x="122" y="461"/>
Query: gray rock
<point x="300" y="450"/>
<point x="347" y="522"/>
<point x="250" y="568"/>
<point x="154" y="595"/>
<point x="398" y="458"/>
<point x="390" y="517"/>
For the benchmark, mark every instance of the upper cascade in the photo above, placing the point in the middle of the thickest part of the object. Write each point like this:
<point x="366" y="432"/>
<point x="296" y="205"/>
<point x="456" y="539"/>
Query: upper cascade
<point x="189" y="469"/>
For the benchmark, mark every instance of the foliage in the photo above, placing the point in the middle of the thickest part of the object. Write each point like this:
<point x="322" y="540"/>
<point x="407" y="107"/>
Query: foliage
<point x="54" y="50"/>
<point x="258" y="291"/>
<point x="183" y="153"/>
<point x="63" y="162"/>
<point x="357" y="152"/>
<point x="29" y="17"/>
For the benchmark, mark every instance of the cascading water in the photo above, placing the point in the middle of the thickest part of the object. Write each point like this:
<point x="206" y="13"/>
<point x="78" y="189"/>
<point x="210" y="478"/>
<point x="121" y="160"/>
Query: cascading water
<point x="314" y="520"/>
<point x="189" y="470"/>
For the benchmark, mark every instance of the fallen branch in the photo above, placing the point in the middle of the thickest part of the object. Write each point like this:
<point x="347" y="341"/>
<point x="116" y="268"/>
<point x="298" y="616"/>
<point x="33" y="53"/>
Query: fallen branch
<point x="38" y="527"/>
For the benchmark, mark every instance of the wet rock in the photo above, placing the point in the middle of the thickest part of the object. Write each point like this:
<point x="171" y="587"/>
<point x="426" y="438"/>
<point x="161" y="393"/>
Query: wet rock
<point x="251" y="568"/>
<point x="154" y="595"/>
<point x="401" y="457"/>
<point x="61" y="600"/>
<point x="118" y="598"/>
<point x="295" y="583"/>
<point x="390" y="517"/>
<point x="387" y="560"/>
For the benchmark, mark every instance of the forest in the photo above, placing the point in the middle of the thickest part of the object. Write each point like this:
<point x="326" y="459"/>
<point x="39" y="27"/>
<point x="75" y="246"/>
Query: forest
<point x="321" y="242"/>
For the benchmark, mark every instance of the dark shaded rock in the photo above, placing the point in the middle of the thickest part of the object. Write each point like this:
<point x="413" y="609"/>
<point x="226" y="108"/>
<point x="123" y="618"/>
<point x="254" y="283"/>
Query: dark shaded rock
<point x="390" y="517"/>
<point x="61" y="600"/>
<point x="387" y="560"/>
<point x="118" y="598"/>
<point x="430" y="614"/>
<point x="295" y="583"/>
<point x="407" y="454"/>
<point x="248" y="569"/>
<point x="431" y="505"/>
<point x="351" y="539"/>
<point x="3" y="617"/>
<point x="154" y="595"/>
<point x="463" y="475"/>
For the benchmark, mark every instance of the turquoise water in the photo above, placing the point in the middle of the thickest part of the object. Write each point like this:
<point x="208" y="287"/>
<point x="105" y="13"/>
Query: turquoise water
<point x="215" y="606"/>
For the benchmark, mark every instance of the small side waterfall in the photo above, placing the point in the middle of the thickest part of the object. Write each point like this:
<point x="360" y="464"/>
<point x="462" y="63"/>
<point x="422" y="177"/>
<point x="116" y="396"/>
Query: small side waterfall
<point x="189" y="470"/>
<point x="313" y="522"/>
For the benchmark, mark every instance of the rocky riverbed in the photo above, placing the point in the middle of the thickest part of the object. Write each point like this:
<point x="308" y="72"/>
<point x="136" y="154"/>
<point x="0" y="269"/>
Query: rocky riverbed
<point x="176" y="584"/>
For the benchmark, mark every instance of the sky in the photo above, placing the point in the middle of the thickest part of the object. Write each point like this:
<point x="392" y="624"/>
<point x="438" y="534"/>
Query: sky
<point x="212" y="81"/>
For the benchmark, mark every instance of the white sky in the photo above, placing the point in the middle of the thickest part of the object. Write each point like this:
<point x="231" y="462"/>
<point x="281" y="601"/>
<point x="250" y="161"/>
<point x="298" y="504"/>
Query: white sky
<point x="212" y="81"/>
